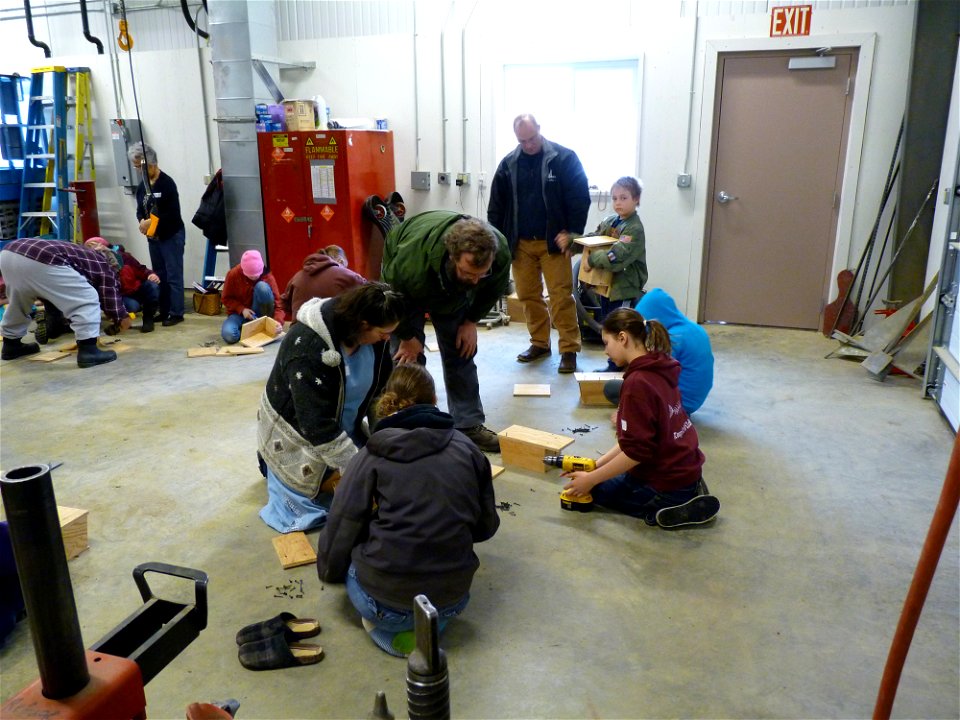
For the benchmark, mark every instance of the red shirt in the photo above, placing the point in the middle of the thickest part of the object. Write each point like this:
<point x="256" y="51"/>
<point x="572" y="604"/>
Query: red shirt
<point x="238" y="292"/>
<point x="654" y="429"/>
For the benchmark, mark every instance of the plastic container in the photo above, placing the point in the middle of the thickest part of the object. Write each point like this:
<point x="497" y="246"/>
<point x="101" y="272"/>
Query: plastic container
<point x="322" y="112"/>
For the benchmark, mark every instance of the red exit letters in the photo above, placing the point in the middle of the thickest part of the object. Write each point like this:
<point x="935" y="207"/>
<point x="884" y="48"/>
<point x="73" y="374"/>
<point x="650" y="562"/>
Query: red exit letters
<point x="790" y="20"/>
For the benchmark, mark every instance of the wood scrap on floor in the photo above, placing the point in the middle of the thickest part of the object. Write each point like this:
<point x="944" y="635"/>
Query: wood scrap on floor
<point x="294" y="550"/>
<point x="260" y="332"/>
<point x="531" y="390"/>
<point x="49" y="356"/>
<point x="496" y="470"/>
<point x="230" y="351"/>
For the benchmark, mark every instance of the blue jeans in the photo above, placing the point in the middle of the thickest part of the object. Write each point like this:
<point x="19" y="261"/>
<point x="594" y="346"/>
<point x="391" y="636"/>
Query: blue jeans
<point x="166" y="257"/>
<point x="393" y="619"/>
<point x="459" y="373"/>
<point x="623" y="494"/>
<point x="147" y="294"/>
<point x="263" y="306"/>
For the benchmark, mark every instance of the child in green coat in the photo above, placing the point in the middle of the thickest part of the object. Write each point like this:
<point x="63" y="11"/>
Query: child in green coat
<point x="627" y="257"/>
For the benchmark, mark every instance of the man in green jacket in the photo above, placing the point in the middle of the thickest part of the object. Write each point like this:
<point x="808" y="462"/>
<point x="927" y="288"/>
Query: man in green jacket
<point x="454" y="267"/>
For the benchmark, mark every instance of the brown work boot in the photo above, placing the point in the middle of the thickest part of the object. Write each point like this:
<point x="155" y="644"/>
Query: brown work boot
<point x="568" y="363"/>
<point x="483" y="438"/>
<point x="534" y="352"/>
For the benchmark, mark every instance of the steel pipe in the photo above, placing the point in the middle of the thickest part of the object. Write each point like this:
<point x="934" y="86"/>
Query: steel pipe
<point x="31" y="510"/>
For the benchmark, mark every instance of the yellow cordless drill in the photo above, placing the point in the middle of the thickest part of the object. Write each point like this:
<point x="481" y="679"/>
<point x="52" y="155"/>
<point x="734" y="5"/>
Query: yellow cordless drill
<point x="573" y="463"/>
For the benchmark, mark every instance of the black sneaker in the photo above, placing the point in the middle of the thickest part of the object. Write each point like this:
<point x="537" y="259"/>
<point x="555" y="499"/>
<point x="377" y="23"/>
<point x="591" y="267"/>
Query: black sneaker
<point x="172" y="320"/>
<point x="483" y="438"/>
<point x="699" y="510"/>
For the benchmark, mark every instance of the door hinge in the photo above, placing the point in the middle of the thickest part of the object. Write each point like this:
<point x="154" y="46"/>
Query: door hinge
<point x="849" y="85"/>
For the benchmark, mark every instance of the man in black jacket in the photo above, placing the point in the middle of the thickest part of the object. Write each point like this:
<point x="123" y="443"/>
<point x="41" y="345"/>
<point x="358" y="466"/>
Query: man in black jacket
<point x="538" y="200"/>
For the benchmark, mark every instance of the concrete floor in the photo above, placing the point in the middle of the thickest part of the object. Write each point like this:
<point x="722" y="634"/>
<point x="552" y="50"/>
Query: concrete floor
<point x="784" y="608"/>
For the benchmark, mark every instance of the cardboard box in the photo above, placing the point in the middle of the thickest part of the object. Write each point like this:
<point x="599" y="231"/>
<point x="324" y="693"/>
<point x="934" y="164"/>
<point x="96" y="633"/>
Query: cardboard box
<point x="526" y="447"/>
<point x="600" y="279"/>
<point x="300" y="114"/>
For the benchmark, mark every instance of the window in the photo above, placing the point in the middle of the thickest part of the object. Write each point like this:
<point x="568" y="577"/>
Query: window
<point x="593" y="108"/>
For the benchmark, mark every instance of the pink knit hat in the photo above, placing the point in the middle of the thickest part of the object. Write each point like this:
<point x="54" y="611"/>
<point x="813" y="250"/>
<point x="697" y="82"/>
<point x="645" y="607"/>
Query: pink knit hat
<point x="96" y="240"/>
<point x="252" y="264"/>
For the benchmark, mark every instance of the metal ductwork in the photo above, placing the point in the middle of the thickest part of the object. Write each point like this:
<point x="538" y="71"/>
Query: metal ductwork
<point x="238" y="30"/>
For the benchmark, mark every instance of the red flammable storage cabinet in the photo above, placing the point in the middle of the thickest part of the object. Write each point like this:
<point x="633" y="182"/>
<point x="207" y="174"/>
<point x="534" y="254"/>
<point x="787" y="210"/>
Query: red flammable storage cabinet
<point x="314" y="184"/>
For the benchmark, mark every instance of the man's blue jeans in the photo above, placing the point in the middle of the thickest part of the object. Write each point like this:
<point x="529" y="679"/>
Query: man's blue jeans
<point x="166" y="258"/>
<point x="147" y="294"/>
<point x="263" y="305"/>
<point x="393" y="619"/>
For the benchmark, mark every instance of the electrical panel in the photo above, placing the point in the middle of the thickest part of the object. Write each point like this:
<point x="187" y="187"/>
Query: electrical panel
<point x="124" y="134"/>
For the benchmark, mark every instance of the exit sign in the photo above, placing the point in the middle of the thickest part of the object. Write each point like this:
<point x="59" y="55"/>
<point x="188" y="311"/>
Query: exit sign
<point x="790" y="20"/>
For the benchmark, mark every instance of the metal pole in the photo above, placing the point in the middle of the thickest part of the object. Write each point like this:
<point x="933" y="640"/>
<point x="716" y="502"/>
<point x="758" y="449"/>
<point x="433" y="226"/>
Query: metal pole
<point x="31" y="509"/>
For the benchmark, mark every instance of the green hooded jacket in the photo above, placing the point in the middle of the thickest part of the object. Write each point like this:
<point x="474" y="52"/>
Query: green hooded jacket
<point x="414" y="257"/>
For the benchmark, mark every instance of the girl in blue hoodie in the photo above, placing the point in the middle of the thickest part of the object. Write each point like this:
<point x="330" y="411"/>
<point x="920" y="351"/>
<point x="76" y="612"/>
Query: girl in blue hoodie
<point x="654" y="471"/>
<point x="689" y="345"/>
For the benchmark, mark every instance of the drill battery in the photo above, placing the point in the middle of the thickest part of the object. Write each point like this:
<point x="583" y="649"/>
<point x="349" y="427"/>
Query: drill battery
<point x="573" y="463"/>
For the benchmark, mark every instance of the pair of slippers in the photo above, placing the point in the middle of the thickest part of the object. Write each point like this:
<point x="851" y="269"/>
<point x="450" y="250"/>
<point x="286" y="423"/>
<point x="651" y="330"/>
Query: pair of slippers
<point x="274" y="643"/>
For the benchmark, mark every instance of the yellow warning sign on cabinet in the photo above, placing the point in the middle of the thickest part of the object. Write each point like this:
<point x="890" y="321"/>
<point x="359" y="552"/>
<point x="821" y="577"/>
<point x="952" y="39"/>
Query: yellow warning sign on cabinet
<point x="281" y="140"/>
<point x="309" y="141"/>
<point x="333" y="141"/>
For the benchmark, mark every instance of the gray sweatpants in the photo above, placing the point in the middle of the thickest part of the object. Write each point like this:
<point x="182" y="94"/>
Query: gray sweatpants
<point x="70" y="291"/>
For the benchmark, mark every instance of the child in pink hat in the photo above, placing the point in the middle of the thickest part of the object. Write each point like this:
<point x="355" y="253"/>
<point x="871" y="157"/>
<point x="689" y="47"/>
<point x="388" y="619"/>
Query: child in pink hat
<point x="249" y="291"/>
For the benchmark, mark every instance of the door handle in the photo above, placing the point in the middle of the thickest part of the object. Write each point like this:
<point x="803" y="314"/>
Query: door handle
<point x="723" y="198"/>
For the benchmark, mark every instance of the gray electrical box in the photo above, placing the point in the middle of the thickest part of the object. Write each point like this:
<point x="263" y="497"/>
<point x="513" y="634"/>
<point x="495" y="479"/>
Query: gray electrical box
<point x="420" y="180"/>
<point x="123" y="135"/>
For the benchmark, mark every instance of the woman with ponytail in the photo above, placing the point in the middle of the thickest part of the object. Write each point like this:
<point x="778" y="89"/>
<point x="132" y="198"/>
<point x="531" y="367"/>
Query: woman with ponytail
<point x="406" y="515"/>
<point x="654" y="470"/>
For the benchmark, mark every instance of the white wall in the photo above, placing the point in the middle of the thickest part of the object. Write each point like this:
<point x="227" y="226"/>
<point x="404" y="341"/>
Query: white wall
<point x="351" y="77"/>
<point x="373" y="75"/>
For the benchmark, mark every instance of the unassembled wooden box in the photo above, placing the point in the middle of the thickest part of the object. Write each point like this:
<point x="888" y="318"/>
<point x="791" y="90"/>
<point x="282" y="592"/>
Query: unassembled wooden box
<point x="591" y="386"/>
<point x="525" y="447"/>
<point x="73" y="527"/>
<point x="600" y="279"/>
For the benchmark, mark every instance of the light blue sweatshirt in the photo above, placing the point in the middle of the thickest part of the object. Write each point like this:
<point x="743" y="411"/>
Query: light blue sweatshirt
<point x="690" y="346"/>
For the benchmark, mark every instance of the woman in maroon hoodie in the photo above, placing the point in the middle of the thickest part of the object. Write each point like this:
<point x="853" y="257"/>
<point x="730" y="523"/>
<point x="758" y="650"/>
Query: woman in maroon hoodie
<point x="654" y="470"/>
<point x="322" y="276"/>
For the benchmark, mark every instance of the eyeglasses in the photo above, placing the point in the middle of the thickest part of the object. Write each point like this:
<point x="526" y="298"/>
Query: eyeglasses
<point x="473" y="275"/>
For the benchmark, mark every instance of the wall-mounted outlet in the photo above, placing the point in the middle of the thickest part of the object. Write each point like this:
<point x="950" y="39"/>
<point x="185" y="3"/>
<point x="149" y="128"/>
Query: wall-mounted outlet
<point x="443" y="178"/>
<point x="463" y="179"/>
<point x="420" y="180"/>
<point x="684" y="180"/>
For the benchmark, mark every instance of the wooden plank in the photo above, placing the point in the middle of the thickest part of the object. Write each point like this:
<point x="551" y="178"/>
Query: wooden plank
<point x="237" y="350"/>
<point x="73" y="527"/>
<point x="49" y="356"/>
<point x="525" y="447"/>
<point x="531" y="390"/>
<point x="496" y="470"/>
<point x="201" y="352"/>
<point x="294" y="550"/>
<point x="594" y="242"/>
<point x="591" y="387"/>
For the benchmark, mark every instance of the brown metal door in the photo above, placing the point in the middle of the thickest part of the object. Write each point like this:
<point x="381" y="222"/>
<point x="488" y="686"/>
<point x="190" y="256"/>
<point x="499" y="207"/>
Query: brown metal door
<point x="777" y="168"/>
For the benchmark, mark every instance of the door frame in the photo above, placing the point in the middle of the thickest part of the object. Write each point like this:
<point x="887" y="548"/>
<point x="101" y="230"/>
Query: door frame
<point x="866" y="44"/>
